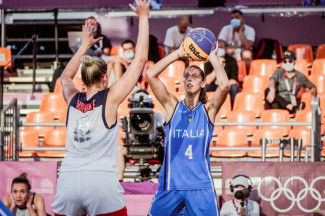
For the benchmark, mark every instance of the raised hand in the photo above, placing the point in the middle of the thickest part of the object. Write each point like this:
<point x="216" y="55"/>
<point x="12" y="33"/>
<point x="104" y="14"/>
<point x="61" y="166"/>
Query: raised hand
<point x="142" y="7"/>
<point x="87" y="33"/>
<point x="213" y="54"/>
<point x="181" y="51"/>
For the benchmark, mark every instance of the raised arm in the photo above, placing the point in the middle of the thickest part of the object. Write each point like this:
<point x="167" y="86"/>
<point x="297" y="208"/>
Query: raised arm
<point x="69" y="89"/>
<point x="220" y="94"/>
<point x="122" y="87"/>
<point x="167" y="100"/>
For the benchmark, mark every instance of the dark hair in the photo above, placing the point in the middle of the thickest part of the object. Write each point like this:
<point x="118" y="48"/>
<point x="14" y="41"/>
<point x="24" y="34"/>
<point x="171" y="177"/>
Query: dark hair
<point x="128" y="41"/>
<point x="203" y="96"/>
<point x="237" y="11"/>
<point x="92" y="69"/>
<point x="22" y="178"/>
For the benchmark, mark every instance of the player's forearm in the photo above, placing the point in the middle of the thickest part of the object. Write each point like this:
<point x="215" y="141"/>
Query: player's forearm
<point x="142" y="45"/>
<point x="221" y="75"/>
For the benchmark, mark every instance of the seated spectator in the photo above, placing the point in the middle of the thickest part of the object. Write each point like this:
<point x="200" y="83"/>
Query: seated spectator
<point x="175" y="34"/>
<point x="21" y="201"/>
<point x="284" y="85"/>
<point x="240" y="38"/>
<point x="231" y="68"/>
<point x="240" y="204"/>
<point x="121" y="63"/>
<point x="102" y="48"/>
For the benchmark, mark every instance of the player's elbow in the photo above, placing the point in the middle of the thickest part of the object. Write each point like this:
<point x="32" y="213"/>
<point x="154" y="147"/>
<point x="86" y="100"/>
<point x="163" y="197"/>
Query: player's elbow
<point x="224" y="86"/>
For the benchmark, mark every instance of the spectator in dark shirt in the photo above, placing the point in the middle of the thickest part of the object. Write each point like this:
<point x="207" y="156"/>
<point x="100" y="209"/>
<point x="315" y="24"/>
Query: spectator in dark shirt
<point x="284" y="85"/>
<point x="231" y="68"/>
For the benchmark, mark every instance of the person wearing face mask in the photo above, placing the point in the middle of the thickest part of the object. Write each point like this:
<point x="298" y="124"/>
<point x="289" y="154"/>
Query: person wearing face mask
<point x="230" y="65"/>
<point x="284" y="85"/>
<point x="240" y="186"/>
<point x="239" y="36"/>
<point x="121" y="63"/>
<point x="175" y="34"/>
<point x="102" y="48"/>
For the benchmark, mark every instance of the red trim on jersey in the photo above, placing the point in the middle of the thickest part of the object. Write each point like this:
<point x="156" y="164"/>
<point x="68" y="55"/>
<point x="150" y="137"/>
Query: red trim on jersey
<point x="121" y="212"/>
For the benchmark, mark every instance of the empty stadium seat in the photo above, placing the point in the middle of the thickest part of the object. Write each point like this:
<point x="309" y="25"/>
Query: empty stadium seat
<point x="320" y="51"/>
<point x="242" y="72"/>
<point x="262" y="67"/>
<point x="226" y="106"/>
<point x="174" y="70"/>
<point x="230" y="138"/>
<point x="318" y="67"/>
<point x="255" y="84"/>
<point x="54" y="138"/>
<point x="302" y="51"/>
<point x="249" y="102"/>
<point x="217" y="129"/>
<point x="276" y="115"/>
<point x="28" y="138"/>
<point x="40" y="117"/>
<point x="5" y="56"/>
<point x="53" y="102"/>
<point x="269" y="134"/>
<point x="319" y="82"/>
<point x="242" y="117"/>
<point x="306" y="116"/>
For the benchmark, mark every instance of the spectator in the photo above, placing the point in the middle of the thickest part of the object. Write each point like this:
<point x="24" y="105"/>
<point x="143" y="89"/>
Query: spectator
<point x="175" y="34"/>
<point x="240" y="204"/>
<point x="231" y="68"/>
<point x="239" y="36"/>
<point x="21" y="201"/>
<point x="102" y="48"/>
<point x="120" y="64"/>
<point x="284" y="85"/>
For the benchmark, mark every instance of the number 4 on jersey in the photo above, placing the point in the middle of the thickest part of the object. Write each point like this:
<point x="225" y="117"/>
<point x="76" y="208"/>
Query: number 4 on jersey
<point x="189" y="152"/>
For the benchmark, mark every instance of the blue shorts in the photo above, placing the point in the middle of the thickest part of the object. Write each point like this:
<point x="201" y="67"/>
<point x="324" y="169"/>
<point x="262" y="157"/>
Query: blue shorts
<point x="197" y="202"/>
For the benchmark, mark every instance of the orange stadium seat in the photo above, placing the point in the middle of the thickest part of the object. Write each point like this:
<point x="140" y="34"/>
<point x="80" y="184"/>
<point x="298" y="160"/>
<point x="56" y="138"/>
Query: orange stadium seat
<point x="306" y="116"/>
<point x="5" y="54"/>
<point x="242" y="117"/>
<point x="174" y="70"/>
<point x="302" y="51"/>
<point x="269" y="134"/>
<point x="217" y="129"/>
<point x="319" y="81"/>
<point x="302" y="66"/>
<point x="249" y="102"/>
<point x="262" y="67"/>
<point x="157" y="107"/>
<point x="54" y="138"/>
<point x="28" y="138"/>
<point x="320" y="51"/>
<point x="276" y="115"/>
<point x="318" y="67"/>
<point x="231" y="138"/>
<point x="161" y="51"/>
<point x="299" y="133"/>
<point x="255" y="84"/>
<point x="53" y="102"/>
<point x="40" y="117"/>
<point x="242" y="72"/>
<point x="116" y="50"/>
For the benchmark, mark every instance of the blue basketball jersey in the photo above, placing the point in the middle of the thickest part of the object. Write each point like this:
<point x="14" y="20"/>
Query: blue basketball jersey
<point x="186" y="164"/>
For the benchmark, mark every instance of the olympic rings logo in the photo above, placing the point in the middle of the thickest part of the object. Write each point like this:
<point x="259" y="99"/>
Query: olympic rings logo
<point x="288" y="193"/>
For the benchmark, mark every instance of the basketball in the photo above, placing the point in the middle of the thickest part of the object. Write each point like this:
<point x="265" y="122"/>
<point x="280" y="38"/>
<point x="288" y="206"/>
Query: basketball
<point x="198" y="43"/>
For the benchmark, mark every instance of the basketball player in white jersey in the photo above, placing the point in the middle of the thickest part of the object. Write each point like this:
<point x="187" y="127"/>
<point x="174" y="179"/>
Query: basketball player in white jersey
<point x="88" y="181"/>
<point x="185" y="179"/>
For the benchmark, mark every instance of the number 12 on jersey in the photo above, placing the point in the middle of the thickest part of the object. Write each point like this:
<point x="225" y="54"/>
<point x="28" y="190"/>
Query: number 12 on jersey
<point x="189" y="152"/>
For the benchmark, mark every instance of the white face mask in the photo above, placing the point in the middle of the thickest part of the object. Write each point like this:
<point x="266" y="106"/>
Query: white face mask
<point x="235" y="23"/>
<point x="221" y="52"/>
<point x="129" y="55"/>
<point x="288" y="66"/>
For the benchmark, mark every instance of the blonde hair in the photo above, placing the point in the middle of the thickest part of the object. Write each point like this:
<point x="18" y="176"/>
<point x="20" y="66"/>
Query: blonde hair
<point x="92" y="69"/>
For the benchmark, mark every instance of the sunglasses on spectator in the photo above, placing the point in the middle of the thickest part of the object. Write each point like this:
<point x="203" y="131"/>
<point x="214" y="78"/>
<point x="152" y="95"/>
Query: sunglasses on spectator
<point x="286" y="61"/>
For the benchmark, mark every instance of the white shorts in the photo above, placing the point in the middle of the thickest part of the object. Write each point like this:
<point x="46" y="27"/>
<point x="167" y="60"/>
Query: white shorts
<point x="92" y="192"/>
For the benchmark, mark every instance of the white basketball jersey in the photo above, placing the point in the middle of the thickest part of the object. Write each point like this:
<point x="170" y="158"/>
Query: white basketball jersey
<point x="91" y="144"/>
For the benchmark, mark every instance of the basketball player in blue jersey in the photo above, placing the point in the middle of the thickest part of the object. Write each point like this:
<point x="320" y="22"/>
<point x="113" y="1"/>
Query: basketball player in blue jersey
<point x="88" y="182"/>
<point x="185" y="179"/>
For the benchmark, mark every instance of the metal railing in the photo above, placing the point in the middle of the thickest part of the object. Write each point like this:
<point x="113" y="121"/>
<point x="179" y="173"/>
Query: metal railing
<point x="9" y="132"/>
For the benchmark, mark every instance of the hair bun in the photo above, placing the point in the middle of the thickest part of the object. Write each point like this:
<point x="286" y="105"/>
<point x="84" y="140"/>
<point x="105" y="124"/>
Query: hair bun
<point x="23" y="175"/>
<point x="87" y="60"/>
